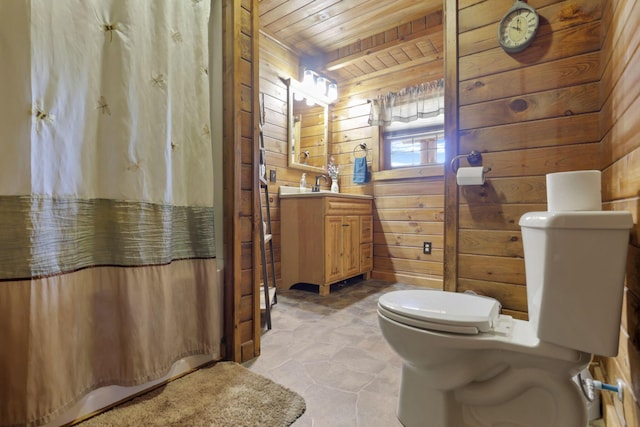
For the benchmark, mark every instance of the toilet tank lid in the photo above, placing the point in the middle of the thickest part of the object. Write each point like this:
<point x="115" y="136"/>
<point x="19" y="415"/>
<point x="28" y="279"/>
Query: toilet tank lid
<point x="450" y="308"/>
<point x="578" y="219"/>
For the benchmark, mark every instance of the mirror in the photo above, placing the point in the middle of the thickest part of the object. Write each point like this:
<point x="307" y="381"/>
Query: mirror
<point x="308" y="130"/>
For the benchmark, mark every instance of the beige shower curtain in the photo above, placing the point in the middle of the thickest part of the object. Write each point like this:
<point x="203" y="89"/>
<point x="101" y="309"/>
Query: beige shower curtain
<point x="107" y="255"/>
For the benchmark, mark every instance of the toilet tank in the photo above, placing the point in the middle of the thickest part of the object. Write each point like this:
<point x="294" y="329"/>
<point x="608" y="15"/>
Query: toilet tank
<point x="575" y="266"/>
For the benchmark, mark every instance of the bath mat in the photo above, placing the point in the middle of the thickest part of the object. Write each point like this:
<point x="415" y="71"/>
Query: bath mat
<point x="225" y="394"/>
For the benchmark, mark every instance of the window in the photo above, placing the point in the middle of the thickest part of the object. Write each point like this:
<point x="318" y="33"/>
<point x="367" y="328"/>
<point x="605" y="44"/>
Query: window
<point x="417" y="143"/>
<point x="411" y="125"/>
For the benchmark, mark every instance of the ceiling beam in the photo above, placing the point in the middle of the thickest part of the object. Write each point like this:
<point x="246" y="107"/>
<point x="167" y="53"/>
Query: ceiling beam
<point x="436" y="30"/>
<point x="414" y="73"/>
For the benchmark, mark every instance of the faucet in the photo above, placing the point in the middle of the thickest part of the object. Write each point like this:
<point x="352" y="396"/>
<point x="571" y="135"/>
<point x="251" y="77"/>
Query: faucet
<point x="316" y="188"/>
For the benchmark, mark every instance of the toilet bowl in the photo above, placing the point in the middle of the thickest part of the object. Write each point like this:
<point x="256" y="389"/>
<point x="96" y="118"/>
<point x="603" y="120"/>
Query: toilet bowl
<point x="454" y="379"/>
<point x="467" y="365"/>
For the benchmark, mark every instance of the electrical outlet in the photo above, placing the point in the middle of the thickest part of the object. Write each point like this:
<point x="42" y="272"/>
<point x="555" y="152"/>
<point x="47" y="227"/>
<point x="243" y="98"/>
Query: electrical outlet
<point x="426" y="248"/>
<point x="272" y="175"/>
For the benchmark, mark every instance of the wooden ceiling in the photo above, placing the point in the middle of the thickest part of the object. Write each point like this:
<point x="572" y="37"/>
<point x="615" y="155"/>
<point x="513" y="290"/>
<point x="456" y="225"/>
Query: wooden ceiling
<point x="354" y="38"/>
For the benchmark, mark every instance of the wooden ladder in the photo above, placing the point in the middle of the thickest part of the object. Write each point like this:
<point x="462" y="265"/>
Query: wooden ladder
<point x="269" y="297"/>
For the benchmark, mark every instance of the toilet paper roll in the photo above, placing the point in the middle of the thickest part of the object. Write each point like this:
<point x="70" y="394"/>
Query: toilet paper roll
<point x="574" y="191"/>
<point x="470" y="176"/>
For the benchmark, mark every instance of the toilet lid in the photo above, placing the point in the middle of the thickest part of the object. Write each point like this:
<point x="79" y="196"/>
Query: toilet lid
<point x="441" y="311"/>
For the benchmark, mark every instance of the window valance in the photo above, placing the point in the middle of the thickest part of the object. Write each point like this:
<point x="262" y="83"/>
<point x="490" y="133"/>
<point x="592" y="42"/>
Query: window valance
<point x="418" y="102"/>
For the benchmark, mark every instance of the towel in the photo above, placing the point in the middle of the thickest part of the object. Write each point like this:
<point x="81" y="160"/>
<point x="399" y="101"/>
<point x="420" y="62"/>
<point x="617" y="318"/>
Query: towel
<point x="360" y="172"/>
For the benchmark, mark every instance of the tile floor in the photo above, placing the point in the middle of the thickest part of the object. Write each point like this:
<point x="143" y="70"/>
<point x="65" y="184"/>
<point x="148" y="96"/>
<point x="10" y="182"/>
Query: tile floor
<point x="330" y="351"/>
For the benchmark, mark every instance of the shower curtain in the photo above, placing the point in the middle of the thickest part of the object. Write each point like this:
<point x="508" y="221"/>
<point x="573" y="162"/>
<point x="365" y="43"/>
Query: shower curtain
<point x="107" y="255"/>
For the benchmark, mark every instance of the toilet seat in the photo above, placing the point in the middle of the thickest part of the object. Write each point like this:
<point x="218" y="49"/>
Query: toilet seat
<point x="459" y="368"/>
<point x="441" y="311"/>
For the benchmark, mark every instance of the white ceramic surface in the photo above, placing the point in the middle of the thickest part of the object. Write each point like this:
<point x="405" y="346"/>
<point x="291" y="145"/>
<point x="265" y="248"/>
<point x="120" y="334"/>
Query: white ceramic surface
<point x="287" y="191"/>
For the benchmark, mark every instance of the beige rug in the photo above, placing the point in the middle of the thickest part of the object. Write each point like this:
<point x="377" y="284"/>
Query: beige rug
<point x="225" y="394"/>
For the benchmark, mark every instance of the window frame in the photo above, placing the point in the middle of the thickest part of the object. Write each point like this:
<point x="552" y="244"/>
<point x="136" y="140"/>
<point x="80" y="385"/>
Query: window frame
<point x="385" y="146"/>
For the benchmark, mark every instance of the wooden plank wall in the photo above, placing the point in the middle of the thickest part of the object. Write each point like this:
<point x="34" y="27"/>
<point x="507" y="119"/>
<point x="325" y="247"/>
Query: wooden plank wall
<point x="242" y="310"/>
<point x="408" y="205"/>
<point x="407" y="213"/>
<point x="530" y="114"/>
<point x="569" y="102"/>
<point x="620" y="129"/>
<point x="277" y="62"/>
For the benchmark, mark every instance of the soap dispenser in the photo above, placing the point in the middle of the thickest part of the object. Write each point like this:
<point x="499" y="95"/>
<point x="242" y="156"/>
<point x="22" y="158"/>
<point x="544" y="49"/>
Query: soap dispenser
<point x="303" y="182"/>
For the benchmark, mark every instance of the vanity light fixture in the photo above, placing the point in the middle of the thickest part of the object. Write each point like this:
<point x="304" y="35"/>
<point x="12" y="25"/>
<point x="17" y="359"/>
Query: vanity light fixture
<point x="332" y="92"/>
<point x="307" y="79"/>
<point x="319" y="86"/>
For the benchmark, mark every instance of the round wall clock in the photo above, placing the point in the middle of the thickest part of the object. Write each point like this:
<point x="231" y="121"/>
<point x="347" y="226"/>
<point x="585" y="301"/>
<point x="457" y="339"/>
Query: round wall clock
<point x="518" y="27"/>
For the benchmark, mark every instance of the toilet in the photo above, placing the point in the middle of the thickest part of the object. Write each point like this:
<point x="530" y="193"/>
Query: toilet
<point x="467" y="365"/>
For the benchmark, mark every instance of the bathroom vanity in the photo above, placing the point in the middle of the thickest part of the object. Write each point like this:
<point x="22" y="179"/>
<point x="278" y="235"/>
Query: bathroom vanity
<point x="326" y="237"/>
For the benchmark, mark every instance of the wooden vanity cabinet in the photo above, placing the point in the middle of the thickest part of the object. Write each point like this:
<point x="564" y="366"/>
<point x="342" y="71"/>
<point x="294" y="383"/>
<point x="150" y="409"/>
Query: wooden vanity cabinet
<point x="366" y="244"/>
<point x="325" y="239"/>
<point x="343" y="247"/>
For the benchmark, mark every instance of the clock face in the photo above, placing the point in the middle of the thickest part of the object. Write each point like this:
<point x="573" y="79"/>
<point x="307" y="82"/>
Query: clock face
<point x="517" y="29"/>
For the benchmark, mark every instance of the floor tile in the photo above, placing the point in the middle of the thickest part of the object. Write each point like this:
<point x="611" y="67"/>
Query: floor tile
<point x="330" y="350"/>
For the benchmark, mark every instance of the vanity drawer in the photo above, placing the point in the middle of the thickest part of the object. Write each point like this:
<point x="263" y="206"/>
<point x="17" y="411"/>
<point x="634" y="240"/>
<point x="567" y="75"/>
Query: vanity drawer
<point x="345" y="206"/>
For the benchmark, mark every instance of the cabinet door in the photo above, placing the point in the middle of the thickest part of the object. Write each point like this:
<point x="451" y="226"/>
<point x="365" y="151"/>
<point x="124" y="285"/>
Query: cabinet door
<point x="351" y="245"/>
<point x="366" y="229"/>
<point x="366" y="257"/>
<point x="334" y="249"/>
<point x="366" y="244"/>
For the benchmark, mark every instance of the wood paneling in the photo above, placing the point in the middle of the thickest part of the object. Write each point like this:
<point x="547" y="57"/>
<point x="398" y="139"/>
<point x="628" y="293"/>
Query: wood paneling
<point x="564" y="15"/>
<point x="451" y="134"/>
<point x="619" y="124"/>
<point x="388" y="58"/>
<point x="506" y="243"/>
<point x="570" y="101"/>
<point x="242" y="315"/>
<point x="566" y="130"/>
<point x="409" y="212"/>
<point x="417" y="41"/>
<point x="540" y="77"/>
<point x="276" y="61"/>
<point x="550" y="47"/>
<point x="315" y="27"/>
<point x="530" y="114"/>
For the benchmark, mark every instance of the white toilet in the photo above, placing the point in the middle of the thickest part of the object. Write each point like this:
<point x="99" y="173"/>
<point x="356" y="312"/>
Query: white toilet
<point x="466" y="365"/>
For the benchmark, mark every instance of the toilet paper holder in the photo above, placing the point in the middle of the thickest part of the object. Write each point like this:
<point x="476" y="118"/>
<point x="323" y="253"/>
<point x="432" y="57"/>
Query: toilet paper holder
<point x="474" y="158"/>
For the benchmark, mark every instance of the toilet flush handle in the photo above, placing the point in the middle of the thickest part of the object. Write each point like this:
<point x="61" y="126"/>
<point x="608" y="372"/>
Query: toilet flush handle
<point x="599" y="385"/>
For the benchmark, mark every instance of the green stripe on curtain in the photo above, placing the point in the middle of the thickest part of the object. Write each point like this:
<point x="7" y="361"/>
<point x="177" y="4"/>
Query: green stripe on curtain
<point x="41" y="236"/>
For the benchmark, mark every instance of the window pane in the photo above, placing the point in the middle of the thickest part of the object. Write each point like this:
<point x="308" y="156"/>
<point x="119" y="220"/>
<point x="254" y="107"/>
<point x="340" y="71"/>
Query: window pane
<point x="416" y="143"/>
<point x="405" y="152"/>
<point x="440" y="150"/>
<point x="418" y="149"/>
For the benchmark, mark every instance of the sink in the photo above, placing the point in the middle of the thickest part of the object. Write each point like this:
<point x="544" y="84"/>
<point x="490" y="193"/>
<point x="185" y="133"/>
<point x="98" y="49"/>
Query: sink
<point x="287" y="191"/>
<point x="297" y="190"/>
